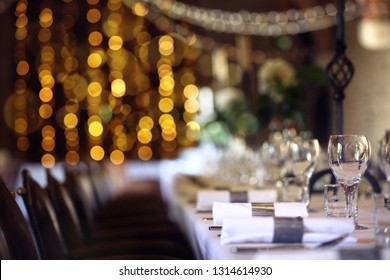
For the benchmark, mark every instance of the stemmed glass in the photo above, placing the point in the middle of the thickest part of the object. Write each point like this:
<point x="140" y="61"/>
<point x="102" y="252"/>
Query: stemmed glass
<point x="348" y="158"/>
<point x="302" y="157"/>
<point x="384" y="154"/>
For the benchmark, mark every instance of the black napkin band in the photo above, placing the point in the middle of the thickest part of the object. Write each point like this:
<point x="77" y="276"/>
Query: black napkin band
<point x="288" y="230"/>
<point x="263" y="209"/>
<point x="238" y="196"/>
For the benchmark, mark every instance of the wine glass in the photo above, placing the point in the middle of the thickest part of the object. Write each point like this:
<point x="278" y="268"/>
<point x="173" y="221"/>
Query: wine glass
<point x="384" y="158"/>
<point x="348" y="159"/>
<point x="302" y="157"/>
<point x="273" y="154"/>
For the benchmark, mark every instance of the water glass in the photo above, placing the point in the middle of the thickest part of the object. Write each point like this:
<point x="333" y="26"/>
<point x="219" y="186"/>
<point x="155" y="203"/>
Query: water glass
<point x="382" y="219"/>
<point x="335" y="203"/>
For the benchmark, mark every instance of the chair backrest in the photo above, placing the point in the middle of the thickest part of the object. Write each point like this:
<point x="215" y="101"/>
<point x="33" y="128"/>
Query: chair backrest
<point x="15" y="228"/>
<point x="65" y="211"/>
<point x="376" y="188"/>
<point x="5" y="253"/>
<point x="81" y="197"/>
<point x="43" y="219"/>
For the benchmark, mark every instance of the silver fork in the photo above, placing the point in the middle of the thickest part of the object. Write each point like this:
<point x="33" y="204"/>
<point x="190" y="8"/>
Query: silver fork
<point x="329" y="243"/>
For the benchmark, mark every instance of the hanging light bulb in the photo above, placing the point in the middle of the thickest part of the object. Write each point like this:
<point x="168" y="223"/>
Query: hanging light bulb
<point x="374" y="27"/>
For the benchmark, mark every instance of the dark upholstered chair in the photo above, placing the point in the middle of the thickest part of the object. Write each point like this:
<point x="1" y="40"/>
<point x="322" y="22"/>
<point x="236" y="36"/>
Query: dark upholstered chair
<point x="16" y="240"/>
<point x="373" y="182"/>
<point x="52" y="244"/>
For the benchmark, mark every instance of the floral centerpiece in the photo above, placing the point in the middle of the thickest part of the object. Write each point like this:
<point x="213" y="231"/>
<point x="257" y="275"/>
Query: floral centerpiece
<point x="283" y="90"/>
<point x="232" y="118"/>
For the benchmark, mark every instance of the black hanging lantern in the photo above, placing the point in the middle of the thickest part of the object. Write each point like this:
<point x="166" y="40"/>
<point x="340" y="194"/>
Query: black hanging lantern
<point x="340" y="70"/>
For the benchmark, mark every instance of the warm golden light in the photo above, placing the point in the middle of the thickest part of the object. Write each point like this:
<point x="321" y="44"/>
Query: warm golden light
<point x="94" y="60"/>
<point x="167" y="84"/>
<point x="48" y="144"/>
<point x="20" y="125"/>
<point x="118" y="87"/>
<point x="143" y="38"/>
<point x="97" y="153"/>
<point x="121" y="142"/>
<point x="45" y="94"/>
<point x="48" y="160"/>
<point x="47" y="81"/>
<point x="139" y="9"/>
<point x="22" y="68"/>
<point x="45" y="111"/>
<point x="48" y="131"/>
<point x="71" y="134"/>
<point x="71" y="64"/>
<point x="191" y="106"/>
<point x="165" y="105"/>
<point x="93" y="15"/>
<point x="166" y="45"/>
<point x="44" y="35"/>
<point x="23" y="144"/>
<point x="72" y="158"/>
<point x="21" y="34"/>
<point x="20" y="102"/>
<point x="145" y="153"/>
<point x="46" y="17"/>
<point x="117" y="157"/>
<point x="21" y="7"/>
<point x="115" y="43"/>
<point x="93" y="2"/>
<point x="114" y="20"/>
<point x="21" y="21"/>
<point x="95" y="38"/>
<point x="146" y="123"/>
<point x="95" y="89"/>
<point x="72" y="106"/>
<point x="169" y="135"/>
<point x="166" y="117"/>
<point x="193" y="131"/>
<point x="187" y="78"/>
<point x="191" y="91"/>
<point x="70" y="120"/>
<point x="144" y="136"/>
<point x="114" y="5"/>
<point x="95" y="129"/>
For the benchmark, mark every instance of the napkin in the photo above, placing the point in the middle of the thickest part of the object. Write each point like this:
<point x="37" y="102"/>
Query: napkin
<point x="264" y="229"/>
<point x="222" y="210"/>
<point x="206" y="198"/>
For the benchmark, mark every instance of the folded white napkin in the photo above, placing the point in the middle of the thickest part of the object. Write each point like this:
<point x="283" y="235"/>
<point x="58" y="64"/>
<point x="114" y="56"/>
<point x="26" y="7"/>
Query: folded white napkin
<point x="206" y="198"/>
<point x="223" y="210"/>
<point x="261" y="229"/>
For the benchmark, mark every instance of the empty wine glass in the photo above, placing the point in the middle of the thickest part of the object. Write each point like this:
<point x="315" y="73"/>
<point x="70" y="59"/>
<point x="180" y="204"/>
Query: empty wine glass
<point x="384" y="158"/>
<point x="348" y="158"/>
<point x="302" y="157"/>
<point x="273" y="154"/>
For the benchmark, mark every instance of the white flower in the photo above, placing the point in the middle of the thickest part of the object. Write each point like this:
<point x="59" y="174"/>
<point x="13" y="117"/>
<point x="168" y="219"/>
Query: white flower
<point x="226" y="96"/>
<point x="275" y="71"/>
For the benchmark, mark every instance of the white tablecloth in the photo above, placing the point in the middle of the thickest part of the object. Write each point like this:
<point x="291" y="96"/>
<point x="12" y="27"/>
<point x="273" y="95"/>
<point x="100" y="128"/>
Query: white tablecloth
<point x="179" y="193"/>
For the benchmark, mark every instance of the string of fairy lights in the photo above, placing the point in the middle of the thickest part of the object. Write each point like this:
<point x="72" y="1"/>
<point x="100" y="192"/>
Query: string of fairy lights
<point x="114" y="90"/>
<point x="244" y="22"/>
<point x="99" y="89"/>
<point x="19" y="100"/>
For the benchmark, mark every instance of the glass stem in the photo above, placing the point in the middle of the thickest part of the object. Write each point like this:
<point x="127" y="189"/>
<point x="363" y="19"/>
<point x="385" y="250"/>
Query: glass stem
<point x="351" y="201"/>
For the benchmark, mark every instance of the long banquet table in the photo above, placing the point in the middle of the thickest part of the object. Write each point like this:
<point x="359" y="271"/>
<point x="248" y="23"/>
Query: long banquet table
<point x="179" y="190"/>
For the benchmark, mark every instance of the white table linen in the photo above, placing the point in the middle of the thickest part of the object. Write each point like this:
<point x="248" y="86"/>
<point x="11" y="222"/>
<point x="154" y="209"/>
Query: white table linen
<point x="206" y="198"/>
<point x="261" y="229"/>
<point x="223" y="210"/>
